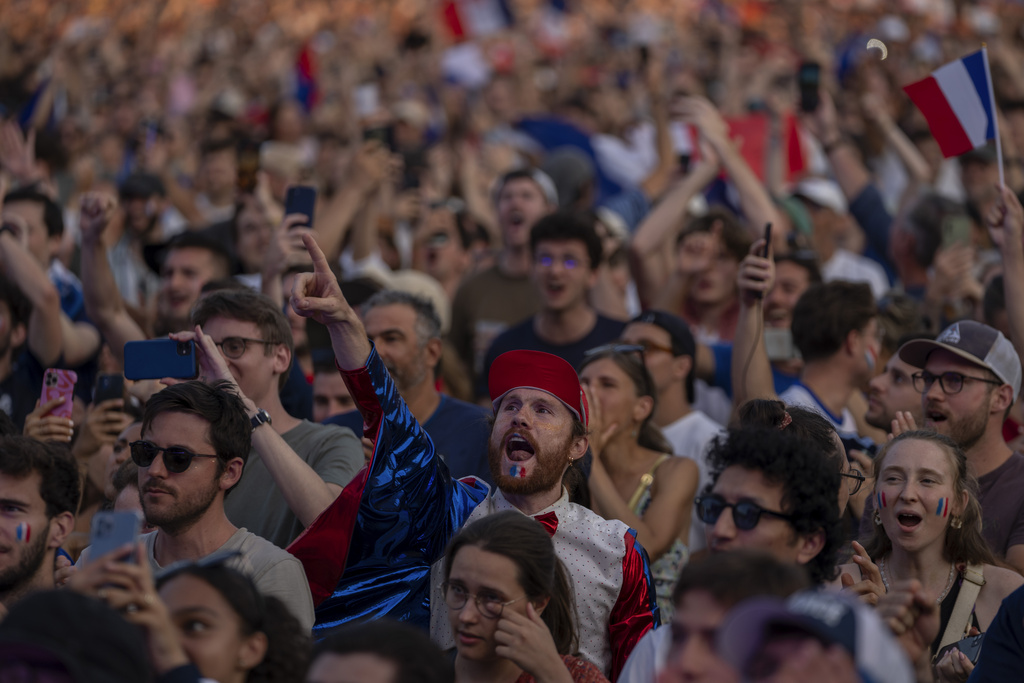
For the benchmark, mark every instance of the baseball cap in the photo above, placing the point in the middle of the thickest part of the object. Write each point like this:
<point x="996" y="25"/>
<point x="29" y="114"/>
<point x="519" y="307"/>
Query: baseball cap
<point x="93" y="642"/>
<point x="829" y="617"/>
<point x="972" y="341"/>
<point x="823" y="192"/>
<point x="525" y="369"/>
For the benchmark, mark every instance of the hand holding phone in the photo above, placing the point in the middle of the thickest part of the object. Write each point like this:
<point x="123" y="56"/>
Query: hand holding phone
<point x="301" y="199"/>
<point x="113" y="529"/>
<point x="159" y="358"/>
<point x="809" y="81"/>
<point x="59" y="383"/>
<point x="764" y="252"/>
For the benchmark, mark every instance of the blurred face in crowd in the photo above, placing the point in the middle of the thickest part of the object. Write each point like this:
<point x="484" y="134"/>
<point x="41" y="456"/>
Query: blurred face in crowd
<point x="409" y="359"/>
<point x="211" y="632"/>
<point x="220" y="172"/>
<point x="665" y="369"/>
<point x="791" y="281"/>
<point x="716" y="283"/>
<point x="116" y="455"/>
<point x="352" y="667"/>
<point x="521" y="203"/>
<point x="532" y="442"/>
<point x="439" y="250"/>
<point x="492" y="579"/>
<point x="184" y="272"/>
<point x="692" y="657"/>
<point x="771" y="534"/>
<point x="174" y="501"/>
<point x="964" y="416"/>
<point x="253" y="234"/>
<point x="891" y="391"/>
<point x="330" y="395"/>
<point x="27" y="216"/>
<point x="562" y="271"/>
<point x="913" y="480"/>
<point x="140" y="213"/>
<point x="258" y="368"/>
<point x="616" y="393"/>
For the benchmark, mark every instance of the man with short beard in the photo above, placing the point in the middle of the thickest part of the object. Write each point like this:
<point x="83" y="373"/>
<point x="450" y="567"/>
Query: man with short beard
<point x="969" y="378"/>
<point x="194" y="444"/>
<point x="390" y="533"/>
<point x="39" y="491"/>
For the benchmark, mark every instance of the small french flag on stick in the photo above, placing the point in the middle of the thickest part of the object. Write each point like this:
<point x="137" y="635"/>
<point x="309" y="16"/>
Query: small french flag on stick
<point x="958" y="102"/>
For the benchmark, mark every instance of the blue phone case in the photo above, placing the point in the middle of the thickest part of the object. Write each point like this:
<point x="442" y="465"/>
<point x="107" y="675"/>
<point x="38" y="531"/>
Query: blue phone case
<point x="159" y="358"/>
<point x="301" y="199"/>
<point x="112" y="529"/>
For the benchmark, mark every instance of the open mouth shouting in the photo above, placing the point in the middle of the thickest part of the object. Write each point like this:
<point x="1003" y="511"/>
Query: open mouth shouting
<point x="908" y="520"/>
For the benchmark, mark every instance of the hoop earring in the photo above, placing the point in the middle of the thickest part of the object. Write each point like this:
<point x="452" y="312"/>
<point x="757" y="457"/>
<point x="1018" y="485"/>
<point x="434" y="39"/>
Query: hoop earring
<point x="956" y="523"/>
<point x="878" y="518"/>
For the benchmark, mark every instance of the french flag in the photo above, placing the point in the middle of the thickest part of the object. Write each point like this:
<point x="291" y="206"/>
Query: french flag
<point x="469" y="19"/>
<point x="956" y="100"/>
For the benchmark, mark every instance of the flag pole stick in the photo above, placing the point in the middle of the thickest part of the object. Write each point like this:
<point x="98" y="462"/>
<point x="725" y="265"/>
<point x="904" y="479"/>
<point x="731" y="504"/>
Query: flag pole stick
<point x="995" y="114"/>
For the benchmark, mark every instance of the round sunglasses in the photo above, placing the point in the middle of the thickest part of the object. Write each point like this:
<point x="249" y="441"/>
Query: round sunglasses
<point x="176" y="458"/>
<point x="745" y="514"/>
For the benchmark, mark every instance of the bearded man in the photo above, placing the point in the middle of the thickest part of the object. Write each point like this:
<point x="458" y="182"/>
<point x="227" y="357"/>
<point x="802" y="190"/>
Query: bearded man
<point x="398" y="526"/>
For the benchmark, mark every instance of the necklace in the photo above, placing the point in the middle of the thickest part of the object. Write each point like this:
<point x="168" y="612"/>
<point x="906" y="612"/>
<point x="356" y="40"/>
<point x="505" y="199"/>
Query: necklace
<point x="884" y="571"/>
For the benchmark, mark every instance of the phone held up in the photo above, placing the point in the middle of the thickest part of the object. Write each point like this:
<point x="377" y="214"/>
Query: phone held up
<point x="113" y="529"/>
<point x="159" y="358"/>
<point x="301" y="199"/>
<point x="59" y="383"/>
<point x="809" y="81"/>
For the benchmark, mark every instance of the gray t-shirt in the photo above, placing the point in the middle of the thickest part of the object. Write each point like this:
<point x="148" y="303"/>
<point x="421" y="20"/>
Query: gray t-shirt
<point x="274" y="571"/>
<point x="258" y="504"/>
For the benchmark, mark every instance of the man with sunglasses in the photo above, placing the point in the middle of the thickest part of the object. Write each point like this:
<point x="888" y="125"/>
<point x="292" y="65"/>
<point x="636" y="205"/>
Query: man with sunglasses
<point x="193" y="448"/>
<point x="774" y="493"/>
<point x="970" y="376"/>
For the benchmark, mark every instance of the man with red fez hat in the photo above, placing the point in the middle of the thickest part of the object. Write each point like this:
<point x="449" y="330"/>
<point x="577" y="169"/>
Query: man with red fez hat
<point x="392" y="523"/>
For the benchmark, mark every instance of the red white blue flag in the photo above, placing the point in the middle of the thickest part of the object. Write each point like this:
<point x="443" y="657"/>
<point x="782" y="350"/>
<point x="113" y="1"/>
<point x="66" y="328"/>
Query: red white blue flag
<point x="956" y="100"/>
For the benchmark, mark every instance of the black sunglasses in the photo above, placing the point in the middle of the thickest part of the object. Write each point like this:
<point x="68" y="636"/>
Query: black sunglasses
<point x="745" y="514"/>
<point x="176" y="458"/>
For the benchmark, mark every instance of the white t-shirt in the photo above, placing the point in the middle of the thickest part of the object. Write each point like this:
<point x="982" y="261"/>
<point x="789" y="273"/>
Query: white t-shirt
<point x="691" y="437"/>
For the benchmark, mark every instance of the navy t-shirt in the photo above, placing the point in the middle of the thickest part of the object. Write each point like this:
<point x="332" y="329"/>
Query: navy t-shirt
<point x="20" y="391"/>
<point x="523" y="336"/>
<point x="297" y="395"/>
<point x="1002" y="653"/>
<point x="459" y="430"/>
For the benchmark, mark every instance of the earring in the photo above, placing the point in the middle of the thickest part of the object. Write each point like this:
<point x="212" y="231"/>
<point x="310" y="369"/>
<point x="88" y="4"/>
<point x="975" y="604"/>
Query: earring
<point x="956" y="522"/>
<point x="878" y="518"/>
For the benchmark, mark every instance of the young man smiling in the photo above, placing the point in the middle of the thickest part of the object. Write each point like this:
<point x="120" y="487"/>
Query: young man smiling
<point x="410" y="500"/>
<point x="566" y="254"/>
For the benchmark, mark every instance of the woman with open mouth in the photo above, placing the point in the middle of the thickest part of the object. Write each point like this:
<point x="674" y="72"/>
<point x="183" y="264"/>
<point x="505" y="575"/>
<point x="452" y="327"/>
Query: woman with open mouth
<point x="927" y="526"/>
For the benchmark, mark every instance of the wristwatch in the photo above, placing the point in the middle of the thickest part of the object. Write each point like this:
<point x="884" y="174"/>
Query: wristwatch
<point x="261" y="417"/>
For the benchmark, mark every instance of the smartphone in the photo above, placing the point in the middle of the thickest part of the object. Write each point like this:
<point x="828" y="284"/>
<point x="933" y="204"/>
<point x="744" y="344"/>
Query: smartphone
<point x="59" y="383"/>
<point x="778" y="344"/>
<point x="159" y="358"/>
<point x="955" y="230"/>
<point x="809" y="80"/>
<point x="108" y="386"/>
<point x="301" y="199"/>
<point x="970" y="646"/>
<point x="112" y="529"/>
<point x="764" y="252"/>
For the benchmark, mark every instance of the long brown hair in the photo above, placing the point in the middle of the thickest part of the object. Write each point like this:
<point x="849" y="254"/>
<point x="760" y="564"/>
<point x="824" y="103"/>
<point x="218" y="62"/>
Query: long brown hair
<point x="963" y="545"/>
<point x="539" y="571"/>
<point x="648" y="435"/>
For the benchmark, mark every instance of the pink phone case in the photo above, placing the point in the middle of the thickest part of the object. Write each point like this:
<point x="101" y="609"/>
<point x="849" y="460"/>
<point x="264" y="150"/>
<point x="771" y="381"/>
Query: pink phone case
<point x="59" y="383"/>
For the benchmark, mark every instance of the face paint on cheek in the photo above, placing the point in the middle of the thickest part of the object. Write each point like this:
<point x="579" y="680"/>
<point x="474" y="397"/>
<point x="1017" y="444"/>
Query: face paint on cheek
<point x="942" y="509"/>
<point x="880" y="499"/>
<point x="23" y="532"/>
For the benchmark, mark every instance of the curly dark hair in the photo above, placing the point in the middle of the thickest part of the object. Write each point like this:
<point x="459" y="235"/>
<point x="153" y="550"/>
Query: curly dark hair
<point x="413" y="653"/>
<point x="809" y="484"/>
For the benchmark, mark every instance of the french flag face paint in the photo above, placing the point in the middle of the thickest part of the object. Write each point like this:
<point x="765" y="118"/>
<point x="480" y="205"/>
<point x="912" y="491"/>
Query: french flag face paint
<point x="880" y="499"/>
<point x="23" y="532"/>
<point x="517" y="471"/>
<point x="942" y="510"/>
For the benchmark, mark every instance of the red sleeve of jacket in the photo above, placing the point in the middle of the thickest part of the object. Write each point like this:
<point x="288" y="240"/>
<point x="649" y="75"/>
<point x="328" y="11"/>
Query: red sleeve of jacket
<point x="636" y="610"/>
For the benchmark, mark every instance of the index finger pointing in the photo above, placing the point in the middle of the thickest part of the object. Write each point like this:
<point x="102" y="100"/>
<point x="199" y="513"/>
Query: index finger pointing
<point x="320" y="264"/>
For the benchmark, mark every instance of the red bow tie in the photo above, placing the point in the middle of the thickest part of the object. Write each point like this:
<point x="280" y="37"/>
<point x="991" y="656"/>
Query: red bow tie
<point x="549" y="520"/>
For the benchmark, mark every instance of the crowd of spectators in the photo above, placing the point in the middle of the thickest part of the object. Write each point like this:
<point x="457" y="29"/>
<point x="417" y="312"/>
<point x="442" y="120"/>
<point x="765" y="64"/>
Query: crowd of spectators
<point x="689" y="283"/>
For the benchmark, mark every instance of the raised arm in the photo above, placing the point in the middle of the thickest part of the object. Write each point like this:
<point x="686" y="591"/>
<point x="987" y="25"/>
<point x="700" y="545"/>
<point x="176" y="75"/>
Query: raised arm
<point x="103" y="300"/>
<point x="22" y="269"/>
<point x="1006" y="226"/>
<point x="751" y="369"/>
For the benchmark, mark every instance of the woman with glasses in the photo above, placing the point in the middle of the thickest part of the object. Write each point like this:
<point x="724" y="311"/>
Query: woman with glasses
<point x="635" y="477"/>
<point x="204" y="614"/>
<point x="927" y="526"/>
<point x="511" y="605"/>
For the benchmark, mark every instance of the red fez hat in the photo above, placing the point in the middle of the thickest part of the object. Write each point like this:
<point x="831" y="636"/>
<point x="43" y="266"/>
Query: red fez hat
<point x="522" y="369"/>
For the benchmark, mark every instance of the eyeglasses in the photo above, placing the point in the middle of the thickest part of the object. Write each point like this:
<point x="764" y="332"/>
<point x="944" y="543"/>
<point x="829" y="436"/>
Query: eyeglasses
<point x="176" y="458"/>
<point x="614" y="348"/>
<point x="568" y="262"/>
<point x="490" y="606"/>
<point x="234" y="347"/>
<point x="951" y="382"/>
<point x="745" y="514"/>
<point x="857" y="480"/>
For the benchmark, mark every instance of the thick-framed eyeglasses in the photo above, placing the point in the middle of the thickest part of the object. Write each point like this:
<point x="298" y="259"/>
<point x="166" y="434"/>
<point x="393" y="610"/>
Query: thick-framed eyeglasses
<point x="491" y="606"/>
<point x="176" y="458"/>
<point x="854" y="480"/>
<point x="234" y="347"/>
<point x="745" y="514"/>
<point x="950" y="382"/>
